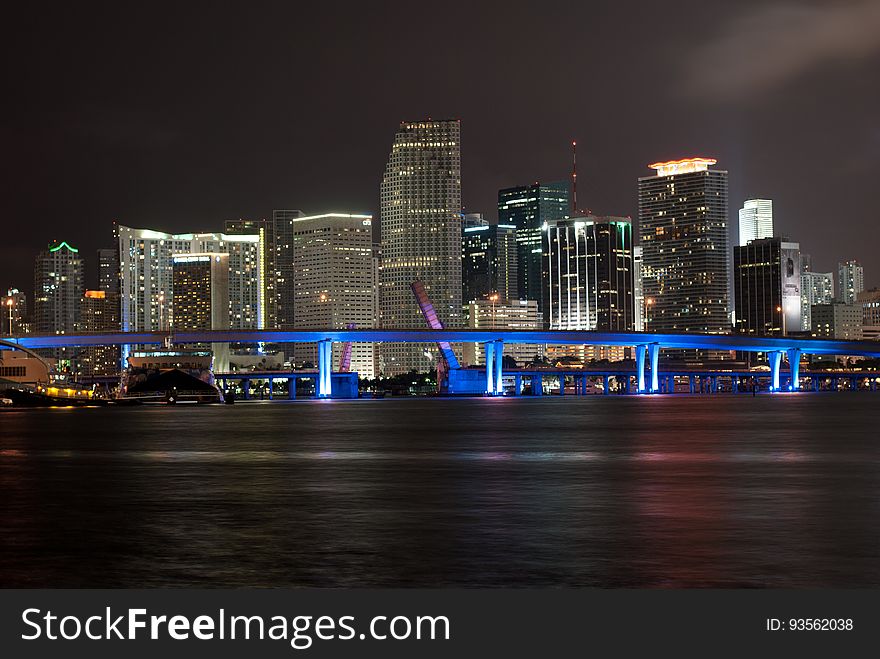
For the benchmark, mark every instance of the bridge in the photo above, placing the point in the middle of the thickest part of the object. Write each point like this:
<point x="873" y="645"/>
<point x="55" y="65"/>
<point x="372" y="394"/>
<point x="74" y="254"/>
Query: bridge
<point x="647" y="347"/>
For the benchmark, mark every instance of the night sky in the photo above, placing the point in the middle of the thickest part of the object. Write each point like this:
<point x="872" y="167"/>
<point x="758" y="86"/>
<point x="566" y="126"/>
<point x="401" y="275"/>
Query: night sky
<point x="176" y="116"/>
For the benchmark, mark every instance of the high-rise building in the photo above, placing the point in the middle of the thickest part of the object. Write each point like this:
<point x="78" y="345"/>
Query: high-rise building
<point x="816" y="288"/>
<point x="527" y="208"/>
<point x="335" y="283"/>
<point x="58" y="286"/>
<point x="638" y="292"/>
<point x="755" y="220"/>
<point x="146" y="291"/>
<point x="421" y="235"/>
<point x="108" y="270"/>
<point x="99" y="312"/>
<point x="590" y="273"/>
<point x="200" y="283"/>
<point x="14" y="314"/>
<point x="506" y="262"/>
<point x="685" y="247"/>
<point x="479" y="253"/>
<point x="870" y="303"/>
<point x="265" y="229"/>
<point x="767" y="286"/>
<point x="837" y="321"/>
<point x="282" y="234"/>
<point x="850" y="281"/>
<point x="504" y="314"/>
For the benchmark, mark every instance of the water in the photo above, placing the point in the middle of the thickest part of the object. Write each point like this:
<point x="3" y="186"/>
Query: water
<point x="680" y="491"/>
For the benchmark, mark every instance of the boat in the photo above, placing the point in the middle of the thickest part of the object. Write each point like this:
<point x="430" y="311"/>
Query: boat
<point x="168" y="378"/>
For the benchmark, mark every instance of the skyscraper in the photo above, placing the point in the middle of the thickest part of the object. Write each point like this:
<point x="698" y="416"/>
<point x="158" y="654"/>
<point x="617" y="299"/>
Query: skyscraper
<point x="767" y="286"/>
<point x="99" y="312"/>
<point x="200" y="283"/>
<point x="58" y="286"/>
<point x="146" y="291"/>
<point x="850" y="281"/>
<point x="478" y="257"/>
<point x="527" y="208"/>
<point x="816" y="288"/>
<point x="266" y="264"/>
<point x="638" y="291"/>
<point x="755" y="220"/>
<point x="282" y="234"/>
<point x="335" y="282"/>
<point x="421" y="235"/>
<point x="590" y="273"/>
<point x="685" y="247"/>
<point x="108" y="270"/>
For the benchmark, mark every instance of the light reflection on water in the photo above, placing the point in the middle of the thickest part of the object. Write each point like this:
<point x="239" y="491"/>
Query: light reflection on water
<point x="661" y="492"/>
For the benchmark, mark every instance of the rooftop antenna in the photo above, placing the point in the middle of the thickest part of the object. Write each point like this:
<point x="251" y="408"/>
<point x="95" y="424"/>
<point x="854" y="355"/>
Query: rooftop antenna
<point x="574" y="177"/>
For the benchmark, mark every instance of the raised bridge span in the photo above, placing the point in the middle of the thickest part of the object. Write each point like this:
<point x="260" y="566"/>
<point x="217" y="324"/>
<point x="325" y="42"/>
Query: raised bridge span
<point x="647" y="345"/>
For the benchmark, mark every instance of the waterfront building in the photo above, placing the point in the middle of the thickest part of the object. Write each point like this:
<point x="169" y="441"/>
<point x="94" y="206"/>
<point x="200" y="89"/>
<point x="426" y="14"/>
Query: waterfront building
<point x="837" y="320"/>
<point x="850" y="281"/>
<point x="108" y="270"/>
<point x="755" y="220"/>
<point x="99" y="312"/>
<point x="421" y="236"/>
<point x="282" y="235"/>
<point x="146" y="292"/>
<point x="685" y="248"/>
<point x="870" y="303"/>
<point x="200" y="283"/>
<point x="500" y="313"/>
<point x="335" y="283"/>
<point x="14" y="314"/>
<point x="58" y="286"/>
<point x="816" y="288"/>
<point x="265" y="229"/>
<point x="527" y="208"/>
<point x="639" y="302"/>
<point x="767" y="286"/>
<point x="506" y="262"/>
<point x="488" y="259"/>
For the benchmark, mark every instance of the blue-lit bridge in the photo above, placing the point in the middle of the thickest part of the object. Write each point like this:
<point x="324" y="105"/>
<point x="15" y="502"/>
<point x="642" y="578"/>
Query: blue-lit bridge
<point x="647" y="346"/>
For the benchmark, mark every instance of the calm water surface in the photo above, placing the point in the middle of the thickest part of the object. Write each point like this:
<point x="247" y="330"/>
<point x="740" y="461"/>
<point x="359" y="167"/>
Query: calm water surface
<point x="686" y="491"/>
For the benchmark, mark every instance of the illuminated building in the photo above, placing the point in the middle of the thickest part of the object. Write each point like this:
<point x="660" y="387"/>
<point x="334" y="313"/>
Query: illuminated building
<point x="870" y="303"/>
<point x="335" y="283"/>
<point x="200" y="283"/>
<point x="14" y="313"/>
<point x="755" y="220"/>
<point x="685" y="247"/>
<point x="495" y="312"/>
<point x="58" y="286"/>
<point x="767" y="286"/>
<point x="147" y="296"/>
<point x="488" y="259"/>
<point x="421" y="236"/>
<point x="527" y="208"/>
<point x="850" y="281"/>
<point x="266" y="264"/>
<point x="837" y="320"/>
<point x="99" y="312"/>
<point x="108" y="270"/>
<point x="816" y="288"/>
<point x="639" y="301"/>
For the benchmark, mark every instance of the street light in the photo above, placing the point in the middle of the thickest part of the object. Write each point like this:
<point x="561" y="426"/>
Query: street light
<point x="161" y="311"/>
<point x="493" y="299"/>
<point x="10" y="302"/>
<point x="779" y="309"/>
<point x="648" y="302"/>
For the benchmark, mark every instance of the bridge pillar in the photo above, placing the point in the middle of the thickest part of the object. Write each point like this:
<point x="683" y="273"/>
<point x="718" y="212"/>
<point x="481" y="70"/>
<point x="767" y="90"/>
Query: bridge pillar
<point x="246" y="387"/>
<point x="835" y="383"/>
<point x="654" y="354"/>
<point x="816" y="381"/>
<point x="775" y="358"/>
<point x="494" y="352"/>
<point x="291" y="388"/>
<point x="537" y="385"/>
<point x="692" y="383"/>
<point x="626" y="383"/>
<point x="640" y="365"/>
<point x="734" y="383"/>
<point x="325" y="368"/>
<point x="271" y="391"/>
<point x="605" y="380"/>
<point x="517" y="384"/>
<point x="794" y="363"/>
<point x="499" y="368"/>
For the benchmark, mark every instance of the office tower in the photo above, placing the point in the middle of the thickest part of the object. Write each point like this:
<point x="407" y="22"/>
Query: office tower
<point x="755" y="220"/>
<point x="767" y="286"/>
<point x="639" y="302"/>
<point x="200" y="283"/>
<point x="335" y="283"/>
<point x="265" y="229"/>
<point x="421" y="236"/>
<point x="850" y="281"/>
<point x="685" y="247"/>
<point x="837" y="320"/>
<point x="504" y="314"/>
<point x="147" y="295"/>
<point x="99" y="312"/>
<point x="590" y="273"/>
<point x="479" y="249"/>
<point x="282" y="234"/>
<point x="870" y="303"/>
<point x="816" y="288"/>
<point x="506" y="262"/>
<point x="527" y="208"/>
<point x="108" y="270"/>
<point x="58" y="286"/>
<point x="14" y="314"/>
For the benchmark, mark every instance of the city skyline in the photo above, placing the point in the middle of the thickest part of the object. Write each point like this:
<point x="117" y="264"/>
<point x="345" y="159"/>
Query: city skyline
<point x="153" y="148"/>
